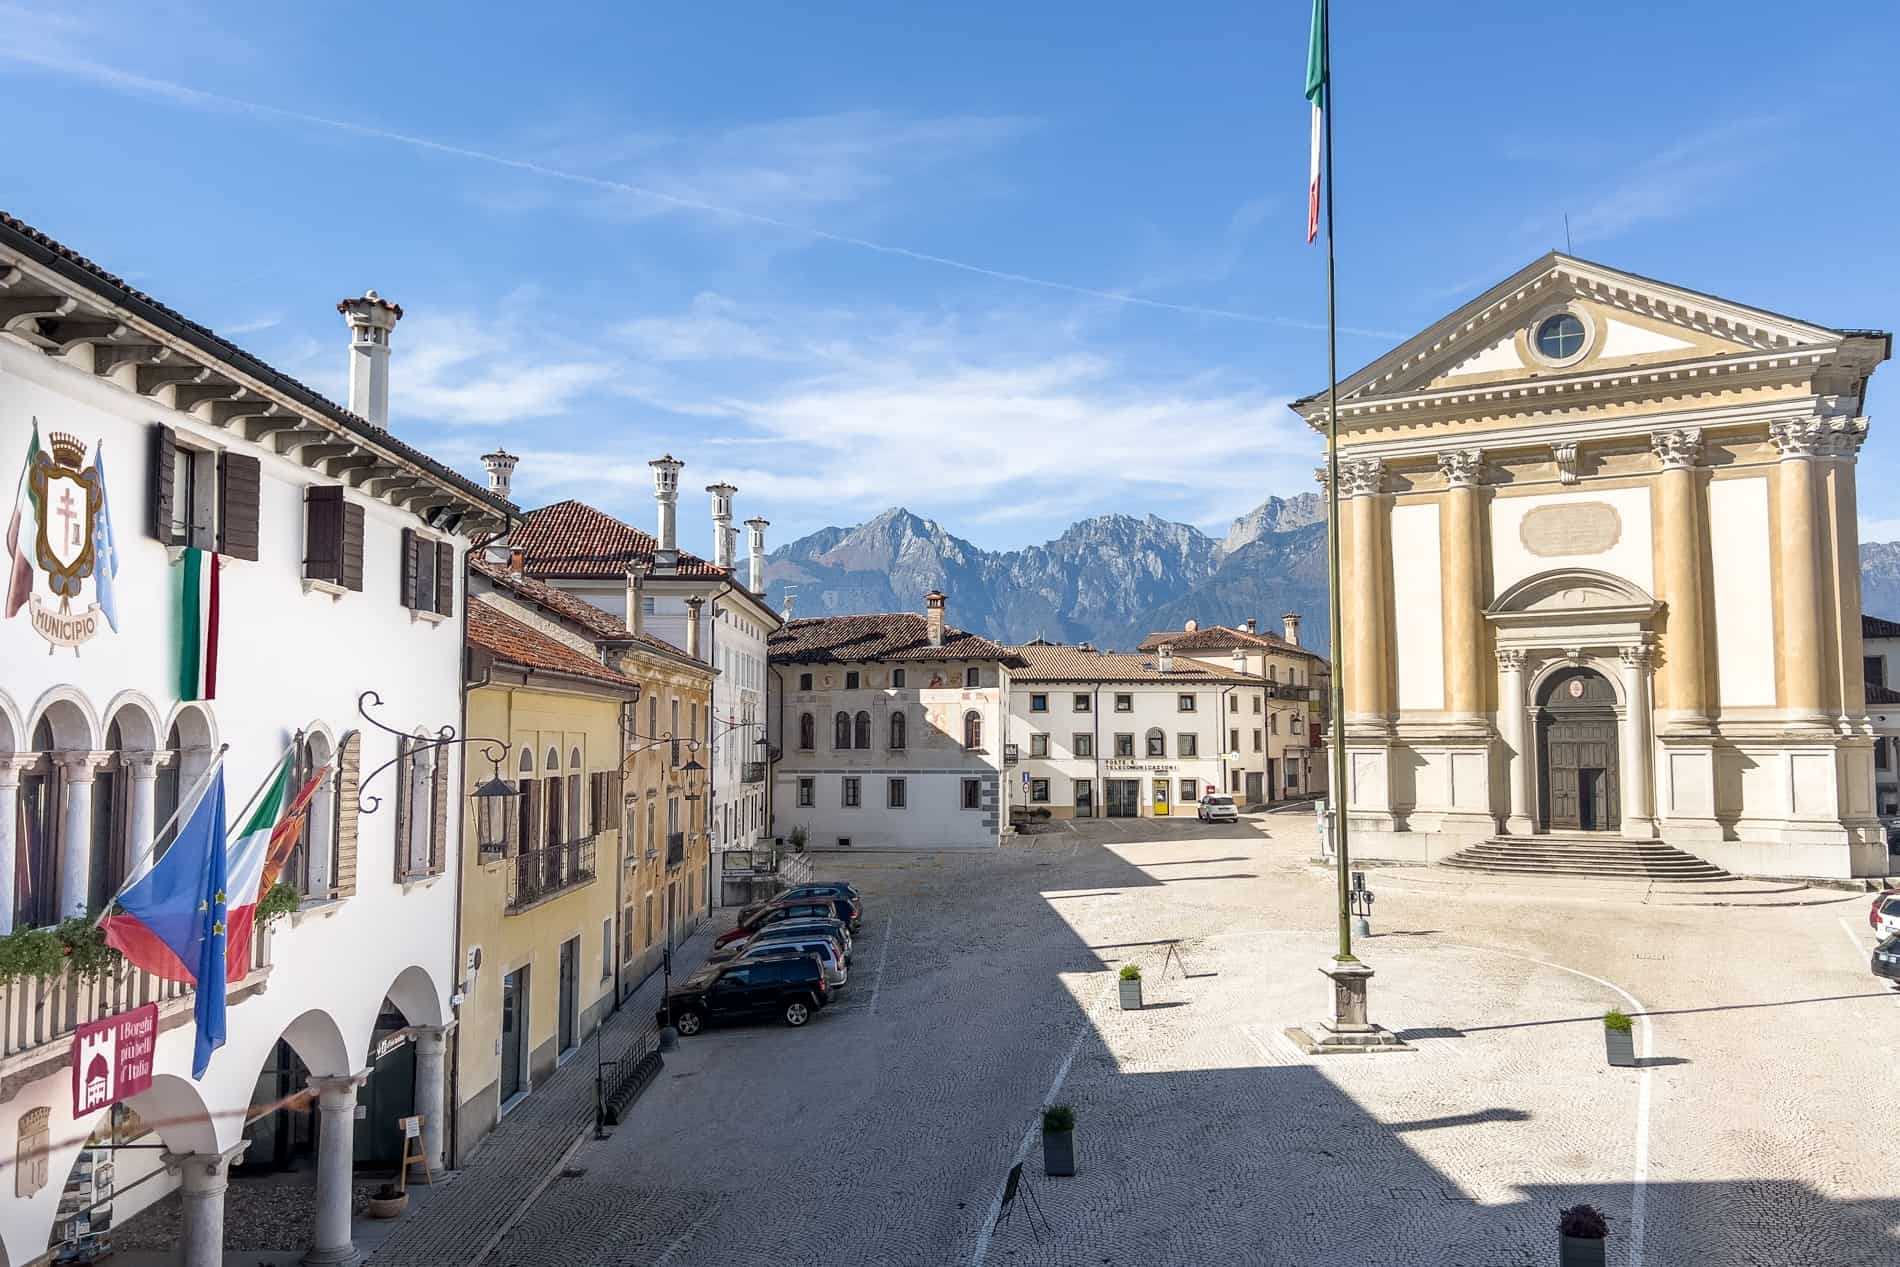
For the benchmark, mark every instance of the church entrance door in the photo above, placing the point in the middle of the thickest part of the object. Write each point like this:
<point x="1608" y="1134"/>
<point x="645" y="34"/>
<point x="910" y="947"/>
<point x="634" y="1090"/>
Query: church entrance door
<point x="1577" y="753"/>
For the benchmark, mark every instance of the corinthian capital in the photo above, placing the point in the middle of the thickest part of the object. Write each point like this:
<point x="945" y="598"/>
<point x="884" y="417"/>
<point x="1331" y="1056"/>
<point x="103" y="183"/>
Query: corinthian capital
<point x="1678" y="450"/>
<point x="1849" y="434"/>
<point x="1361" y="477"/>
<point x="1462" y="468"/>
<point x="1510" y="659"/>
<point x="1319" y="477"/>
<point x="1801" y="437"/>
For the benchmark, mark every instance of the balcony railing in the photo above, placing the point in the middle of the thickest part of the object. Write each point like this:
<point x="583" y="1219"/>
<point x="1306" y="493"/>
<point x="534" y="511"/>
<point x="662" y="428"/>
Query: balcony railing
<point x="1287" y="690"/>
<point x="754" y="772"/>
<point x="542" y="873"/>
<point x="39" y="1011"/>
<point x="675" y="848"/>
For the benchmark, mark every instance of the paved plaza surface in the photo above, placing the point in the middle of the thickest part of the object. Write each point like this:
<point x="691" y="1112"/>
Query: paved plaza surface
<point x="984" y="986"/>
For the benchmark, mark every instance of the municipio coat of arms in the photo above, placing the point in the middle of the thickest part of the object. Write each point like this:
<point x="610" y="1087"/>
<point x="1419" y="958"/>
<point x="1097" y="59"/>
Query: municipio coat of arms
<point x="61" y="501"/>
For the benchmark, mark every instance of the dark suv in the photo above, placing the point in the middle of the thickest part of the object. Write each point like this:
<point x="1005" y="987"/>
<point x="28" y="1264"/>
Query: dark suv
<point x="790" y="986"/>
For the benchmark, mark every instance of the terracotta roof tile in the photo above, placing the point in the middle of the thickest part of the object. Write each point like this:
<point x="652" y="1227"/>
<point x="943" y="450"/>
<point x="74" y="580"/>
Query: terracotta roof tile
<point x="512" y="642"/>
<point x="1882" y="694"/>
<point x="601" y="624"/>
<point x="880" y="636"/>
<point x="1078" y="664"/>
<point x="572" y="539"/>
<point x="1878" y="627"/>
<point x="1222" y="638"/>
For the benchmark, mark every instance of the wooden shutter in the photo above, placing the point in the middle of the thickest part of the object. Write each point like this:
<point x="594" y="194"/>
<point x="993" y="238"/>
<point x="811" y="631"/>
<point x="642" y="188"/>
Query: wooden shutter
<point x="239" y="476"/>
<point x="351" y="555"/>
<point x="323" y="532"/>
<point x="445" y="577"/>
<point x="164" y="454"/>
<point x="348" y="780"/>
<point x="405" y="776"/>
<point x="439" y="812"/>
<point x="411" y="558"/>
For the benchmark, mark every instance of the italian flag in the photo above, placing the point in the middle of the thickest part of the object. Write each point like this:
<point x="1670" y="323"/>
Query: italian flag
<point x="198" y="626"/>
<point x="256" y="855"/>
<point x="1318" y="75"/>
<point x="26" y="514"/>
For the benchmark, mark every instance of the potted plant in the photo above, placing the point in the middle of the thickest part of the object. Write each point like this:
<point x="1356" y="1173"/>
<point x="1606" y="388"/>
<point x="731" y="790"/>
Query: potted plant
<point x="799" y="837"/>
<point x="1058" y="1140"/>
<point x="1619" y="1039"/>
<point x="388" y="1202"/>
<point x="1581" y="1231"/>
<point x="1131" y="988"/>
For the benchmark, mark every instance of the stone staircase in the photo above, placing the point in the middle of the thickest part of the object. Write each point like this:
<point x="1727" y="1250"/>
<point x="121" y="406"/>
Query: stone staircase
<point x="1585" y="854"/>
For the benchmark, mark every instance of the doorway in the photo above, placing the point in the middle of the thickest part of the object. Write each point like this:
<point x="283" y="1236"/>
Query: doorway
<point x="1161" y="798"/>
<point x="1577" y="753"/>
<point x="570" y="994"/>
<point x="1124" y="798"/>
<point x="514" y="1027"/>
<point x="1256" y="788"/>
<point x="1084" y="798"/>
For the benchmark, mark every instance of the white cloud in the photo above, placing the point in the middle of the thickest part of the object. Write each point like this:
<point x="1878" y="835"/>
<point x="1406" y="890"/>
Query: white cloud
<point x="474" y="368"/>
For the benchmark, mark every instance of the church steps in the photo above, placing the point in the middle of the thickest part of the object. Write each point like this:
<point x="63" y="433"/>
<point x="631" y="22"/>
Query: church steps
<point x="1606" y="857"/>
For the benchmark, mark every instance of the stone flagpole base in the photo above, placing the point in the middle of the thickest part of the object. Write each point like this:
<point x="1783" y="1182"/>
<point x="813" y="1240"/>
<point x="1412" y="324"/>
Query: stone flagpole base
<point x="1349" y="1032"/>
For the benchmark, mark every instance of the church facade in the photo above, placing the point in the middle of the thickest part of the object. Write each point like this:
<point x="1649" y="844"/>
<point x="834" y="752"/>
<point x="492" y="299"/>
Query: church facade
<point x="1601" y="577"/>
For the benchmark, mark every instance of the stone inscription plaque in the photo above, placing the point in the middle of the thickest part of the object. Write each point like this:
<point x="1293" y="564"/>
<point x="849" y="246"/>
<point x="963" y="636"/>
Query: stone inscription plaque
<point x="1570" y="528"/>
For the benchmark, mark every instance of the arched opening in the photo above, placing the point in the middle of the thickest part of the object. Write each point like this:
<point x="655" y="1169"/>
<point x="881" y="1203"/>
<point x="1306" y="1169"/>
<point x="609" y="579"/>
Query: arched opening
<point x="312" y="862"/>
<point x="897" y="729"/>
<point x="281" y="1123"/>
<point x="841" y="730"/>
<point x="1157" y="742"/>
<point x="807" y="732"/>
<point x="973" y="730"/>
<point x="861" y="730"/>
<point x="116" y="1173"/>
<point x="1577" y="753"/>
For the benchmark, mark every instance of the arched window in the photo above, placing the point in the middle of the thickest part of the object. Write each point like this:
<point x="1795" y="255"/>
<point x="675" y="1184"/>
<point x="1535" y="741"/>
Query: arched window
<point x="312" y="863"/>
<point x="1157" y="743"/>
<point x="973" y="729"/>
<point x="653" y="717"/>
<point x="862" y="731"/>
<point x="897" y="729"/>
<point x="524" y="804"/>
<point x="35" y="901"/>
<point x="841" y="730"/>
<point x="807" y="731"/>
<point x="576" y="775"/>
<point x="165" y="792"/>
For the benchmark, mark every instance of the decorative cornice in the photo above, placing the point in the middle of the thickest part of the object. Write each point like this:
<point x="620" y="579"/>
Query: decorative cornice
<point x="1812" y="437"/>
<point x="1462" y="468"/>
<point x="1564" y="454"/>
<point x="1362" y="477"/>
<point x="1638" y="657"/>
<point x="1319" y="477"/>
<point x="1679" y="450"/>
<point x="1511" y="659"/>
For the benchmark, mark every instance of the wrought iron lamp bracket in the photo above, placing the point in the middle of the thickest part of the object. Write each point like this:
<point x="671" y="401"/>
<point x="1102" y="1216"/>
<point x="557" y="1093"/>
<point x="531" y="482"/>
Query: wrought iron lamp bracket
<point x="494" y="751"/>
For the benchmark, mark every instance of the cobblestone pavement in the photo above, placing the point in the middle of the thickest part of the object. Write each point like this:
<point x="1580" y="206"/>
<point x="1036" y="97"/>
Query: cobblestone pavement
<point x="983" y="987"/>
<point x="497" y="1184"/>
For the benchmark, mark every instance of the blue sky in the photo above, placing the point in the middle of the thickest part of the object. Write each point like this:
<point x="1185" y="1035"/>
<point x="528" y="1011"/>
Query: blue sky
<point x="1005" y="264"/>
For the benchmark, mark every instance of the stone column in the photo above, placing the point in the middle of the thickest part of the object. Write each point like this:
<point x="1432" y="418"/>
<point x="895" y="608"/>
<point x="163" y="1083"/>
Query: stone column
<point x="10" y="767"/>
<point x="141" y="807"/>
<point x="75" y="833"/>
<point x="1639" y="748"/>
<point x="336" y="1146"/>
<point x="202" y="1180"/>
<point x="432" y="1046"/>
<point x="1848" y="435"/>
<point x="1513" y="728"/>
<point x="1363" y="480"/>
<point x="1460" y="547"/>
<point x="1686" y="675"/>
<point x="1798" y="556"/>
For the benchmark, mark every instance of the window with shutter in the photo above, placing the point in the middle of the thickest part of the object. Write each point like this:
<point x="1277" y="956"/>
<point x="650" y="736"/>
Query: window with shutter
<point x="239" y="477"/>
<point x="444" y="597"/>
<point x="351" y="574"/>
<point x="349" y="779"/>
<point x="411" y="554"/>
<point x="323" y="533"/>
<point x="439" y="813"/>
<point x="405" y="788"/>
<point x="164" y="480"/>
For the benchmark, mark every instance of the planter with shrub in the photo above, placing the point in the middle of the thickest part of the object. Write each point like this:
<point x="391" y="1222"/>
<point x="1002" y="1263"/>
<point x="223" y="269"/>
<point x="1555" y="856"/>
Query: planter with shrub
<point x="1619" y="1039"/>
<point x="1582" y="1231"/>
<point x="1058" y="1140"/>
<point x="387" y="1202"/>
<point x="1131" y="988"/>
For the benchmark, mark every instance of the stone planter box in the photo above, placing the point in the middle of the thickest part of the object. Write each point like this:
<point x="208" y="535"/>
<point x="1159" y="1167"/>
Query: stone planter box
<point x="1620" y="1046"/>
<point x="1582" y="1251"/>
<point x="388" y="1207"/>
<point x="1131" y="995"/>
<point x="1058" y="1153"/>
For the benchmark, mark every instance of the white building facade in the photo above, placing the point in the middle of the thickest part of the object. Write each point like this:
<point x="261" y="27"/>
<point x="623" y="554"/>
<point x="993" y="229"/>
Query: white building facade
<point x="888" y="732"/>
<point x="1097" y="734"/>
<point x="1880" y="653"/>
<point x="337" y="552"/>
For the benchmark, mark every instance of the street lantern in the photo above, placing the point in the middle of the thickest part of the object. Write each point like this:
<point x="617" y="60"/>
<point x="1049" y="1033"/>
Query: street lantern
<point x="491" y="814"/>
<point x="693" y="779"/>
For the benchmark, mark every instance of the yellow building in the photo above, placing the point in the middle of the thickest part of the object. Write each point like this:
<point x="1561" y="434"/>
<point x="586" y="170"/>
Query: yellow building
<point x="572" y="893"/>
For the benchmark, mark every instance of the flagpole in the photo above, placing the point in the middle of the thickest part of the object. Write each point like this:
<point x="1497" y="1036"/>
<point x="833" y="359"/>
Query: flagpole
<point x="1337" y="685"/>
<point x="184" y="803"/>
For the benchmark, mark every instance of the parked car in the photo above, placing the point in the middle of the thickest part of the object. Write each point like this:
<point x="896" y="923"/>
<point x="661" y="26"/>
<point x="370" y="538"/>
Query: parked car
<point x="1886" y="961"/>
<point x="837" y="908"/>
<point x="1217" y="808"/>
<point x="830" y="958"/>
<point x="788" y="930"/>
<point x="1884" y="916"/>
<point x="790" y="986"/>
<point x="805" y="892"/>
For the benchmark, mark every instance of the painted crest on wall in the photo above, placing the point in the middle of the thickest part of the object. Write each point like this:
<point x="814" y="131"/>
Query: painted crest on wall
<point x="60" y="514"/>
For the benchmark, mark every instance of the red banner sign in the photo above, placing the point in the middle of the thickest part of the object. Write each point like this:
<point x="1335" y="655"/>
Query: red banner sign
<point x="112" y="1059"/>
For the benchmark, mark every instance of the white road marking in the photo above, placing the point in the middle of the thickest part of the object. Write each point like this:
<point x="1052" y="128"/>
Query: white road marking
<point x="883" y="953"/>
<point x="1852" y="935"/>
<point x="982" y="1250"/>
<point x="679" y="1242"/>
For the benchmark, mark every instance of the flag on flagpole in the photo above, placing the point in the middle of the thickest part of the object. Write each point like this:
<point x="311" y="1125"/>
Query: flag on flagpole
<point x="289" y="828"/>
<point x="198" y="626"/>
<point x="26" y="515"/>
<point x="1317" y="74"/>
<point x="245" y="871"/>
<point x="105" y="567"/>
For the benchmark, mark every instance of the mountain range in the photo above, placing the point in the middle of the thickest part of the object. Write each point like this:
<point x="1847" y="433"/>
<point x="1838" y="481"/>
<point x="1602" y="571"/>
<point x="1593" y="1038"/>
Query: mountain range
<point x="1112" y="579"/>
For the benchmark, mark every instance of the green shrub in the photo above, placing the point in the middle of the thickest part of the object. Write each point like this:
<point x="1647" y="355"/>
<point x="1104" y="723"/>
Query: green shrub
<point x="1584" y="1221"/>
<point x="1131" y="972"/>
<point x="31" y="952"/>
<point x="83" y="948"/>
<point x="1616" y="1019"/>
<point x="1058" y="1117"/>
<point x="281" y="899"/>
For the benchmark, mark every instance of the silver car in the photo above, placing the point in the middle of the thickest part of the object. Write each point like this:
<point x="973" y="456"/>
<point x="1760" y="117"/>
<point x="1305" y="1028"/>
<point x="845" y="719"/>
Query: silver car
<point x="822" y="947"/>
<point x="1218" y="809"/>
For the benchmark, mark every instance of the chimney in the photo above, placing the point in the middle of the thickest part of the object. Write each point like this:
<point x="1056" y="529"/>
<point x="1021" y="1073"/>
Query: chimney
<point x="1164" y="660"/>
<point x="1191" y="626"/>
<point x="755" y="549"/>
<point x="636" y="579"/>
<point x="722" y="523"/>
<point x="790" y="597"/>
<point x="693" y="605"/>
<point x="371" y="319"/>
<point x="933" y="615"/>
<point x="501" y="471"/>
<point x="666" y="491"/>
<point x="1249" y="626"/>
<point x="1291" y="621"/>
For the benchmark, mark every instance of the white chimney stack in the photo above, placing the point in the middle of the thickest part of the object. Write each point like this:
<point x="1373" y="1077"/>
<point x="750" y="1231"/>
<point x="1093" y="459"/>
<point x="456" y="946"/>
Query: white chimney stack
<point x="1291" y="622"/>
<point x="1164" y="660"/>
<point x="501" y="470"/>
<point x="791" y="596"/>
<point x="371" y="319"/>
<point x="666" y="491"/>
<point x="723" y="533"/>
<point x="693" y="605"/>
<point x="933" y="616"/>
<point x="755" y="553"/>
<point x="636" y="608"/>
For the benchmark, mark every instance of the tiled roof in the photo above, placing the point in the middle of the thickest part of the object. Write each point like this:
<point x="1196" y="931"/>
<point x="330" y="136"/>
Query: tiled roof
<point x="23" y="237"/>
<point x="1882" y="694"/>
<point x="1222" y="638"/>
<point x="1077" y="664"/>
<point x="881" y="636"/>
<point x="601" y="624"/>
<point x="1877" y="627"/>
<point x="572" y="539"/>
<point x="512" y="642"/>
